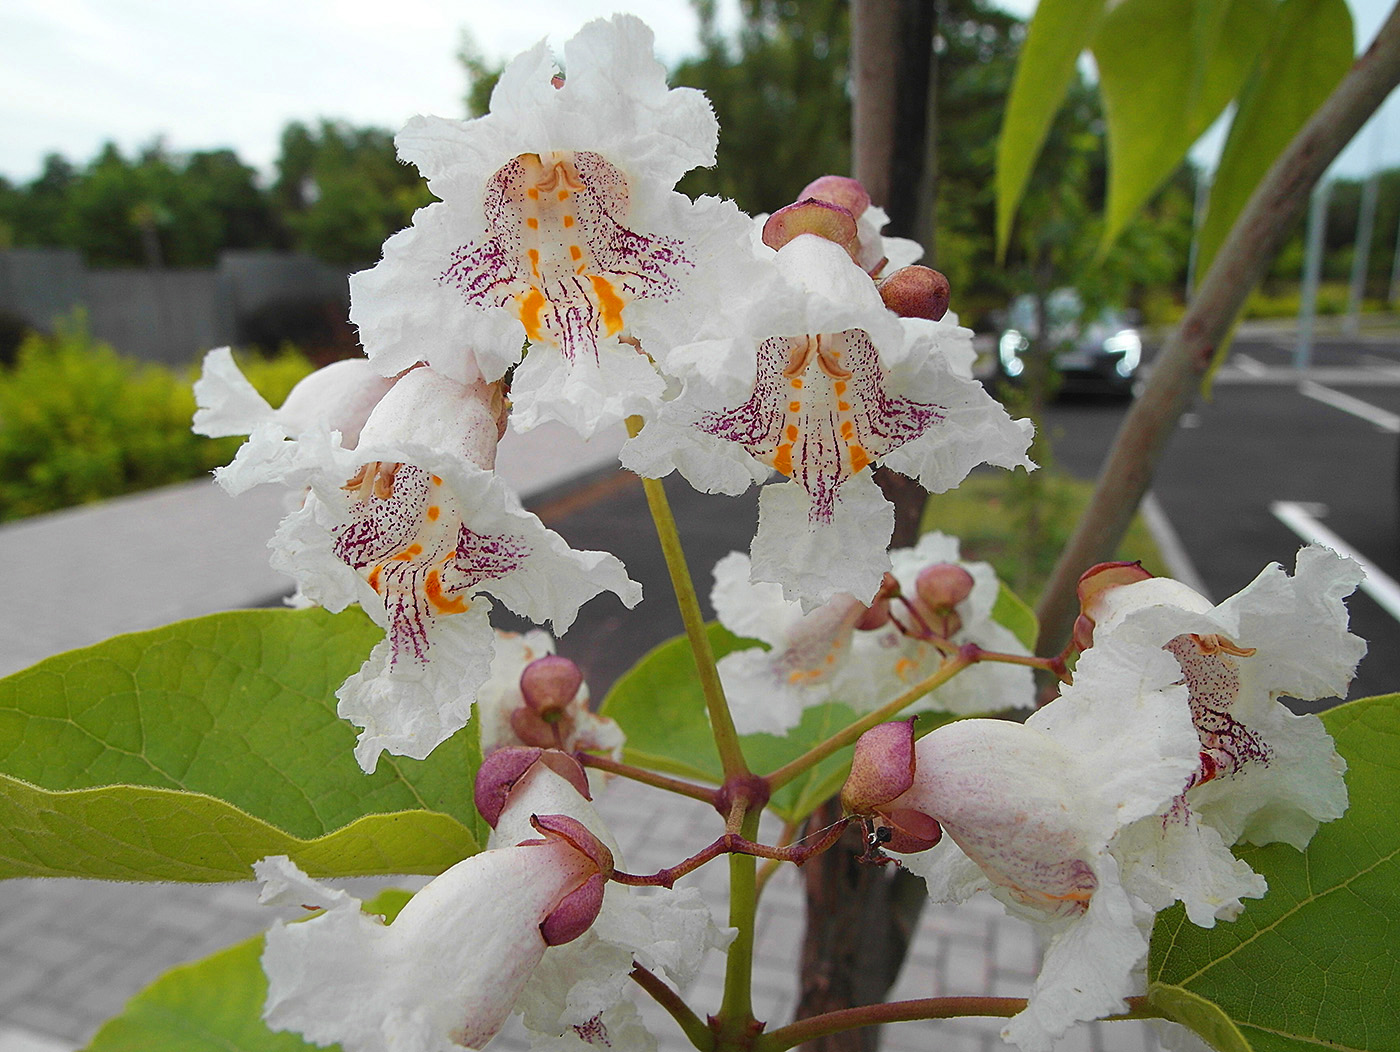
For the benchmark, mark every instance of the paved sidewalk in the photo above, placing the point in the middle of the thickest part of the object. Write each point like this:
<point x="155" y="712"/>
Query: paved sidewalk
<point x="72" y="952"/>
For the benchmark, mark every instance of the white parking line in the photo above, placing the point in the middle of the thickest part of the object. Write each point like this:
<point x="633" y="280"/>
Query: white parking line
<point x="1378" y="585"/>
<point x="1173" y="552"/>
<point x="1382" y="418"/>
<point x="1250" y="366"/>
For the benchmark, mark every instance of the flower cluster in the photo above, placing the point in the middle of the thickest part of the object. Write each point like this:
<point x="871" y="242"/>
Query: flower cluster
<point x="1126" y="793"/>
<point x="560" y="277"/>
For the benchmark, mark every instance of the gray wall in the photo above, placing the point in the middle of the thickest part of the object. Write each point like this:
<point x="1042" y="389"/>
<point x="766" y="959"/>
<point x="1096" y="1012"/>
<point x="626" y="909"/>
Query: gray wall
<point x="170" y="316"/>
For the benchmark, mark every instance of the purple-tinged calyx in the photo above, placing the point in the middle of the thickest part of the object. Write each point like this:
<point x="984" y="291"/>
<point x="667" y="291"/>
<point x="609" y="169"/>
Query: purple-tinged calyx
<point x="916" y="292"/>
<point x="827" y="221"/>
<point x="882" y="772"/>
<point x="839" y="190"/>
<point x="503" y="769"/>
<point x="881" y="769"/>
<point x="1095" y="581"/>
<point x="577" y="910"/>
<point x="550" y="684"/>
<point x="937" y="592"/>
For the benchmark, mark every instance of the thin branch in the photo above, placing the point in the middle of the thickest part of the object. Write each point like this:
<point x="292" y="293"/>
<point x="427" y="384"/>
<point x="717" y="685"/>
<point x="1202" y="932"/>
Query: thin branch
<point x="735" y="844"/>
<point x="1272" y="210"/>
<point x="839" y="740"/>
<point x="721" y="722"/>
<point x="803" y="1030"/>
<point x="700" y="1035"/>
<point x="640" y="774"/>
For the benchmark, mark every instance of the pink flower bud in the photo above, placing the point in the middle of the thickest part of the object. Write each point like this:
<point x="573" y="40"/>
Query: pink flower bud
<point x="877" y="615"/>
<point x="916" y="292"/>
<point x="839" y="190"/>
<point x="810" y="217"/>
<point x="550" y="683"/>
<point x="943" y="585"/>
<point x="881" y="769"/>
<point x="1093" y="583"/>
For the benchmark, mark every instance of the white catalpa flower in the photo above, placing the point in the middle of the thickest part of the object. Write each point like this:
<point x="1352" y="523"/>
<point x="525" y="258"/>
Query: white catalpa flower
<point x="447" y="973"/>
<point x="1033" y="814"/>
<point x="535" y="697"/>
<point x="1264" y="774"/>
<point x="558" y="225"/>
<point x="413" y="525"/>
<point x="338" y="397"/>
<point x="840" y="652"/>
<point x="580" y="993"/>
<point x="824" y="383"/>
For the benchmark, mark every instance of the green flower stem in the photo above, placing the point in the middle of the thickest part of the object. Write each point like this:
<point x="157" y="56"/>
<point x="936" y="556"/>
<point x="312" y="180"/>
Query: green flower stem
<point x="815" y="755"/>
<point x="809" y="1029"/>
<point x="694" y="1027"/>
<point x="652" y="778"/>
<point x="721" y="722"/>
<point x="735" y="1017"/>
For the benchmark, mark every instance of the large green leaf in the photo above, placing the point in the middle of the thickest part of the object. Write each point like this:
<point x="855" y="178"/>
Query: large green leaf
<point x="1167" y="69"/>
<point x="1059" y="32"/>
<point x="660" y="705"/>
<point x="213" y="1005"/>
<point x="189" y="752"/>
<point x="1309" y="50"/>
<point x="1316" y="962"/>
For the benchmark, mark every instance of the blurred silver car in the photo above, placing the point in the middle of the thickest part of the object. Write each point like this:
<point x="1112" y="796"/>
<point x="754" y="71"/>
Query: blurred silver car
<point x="1101" y="353"/>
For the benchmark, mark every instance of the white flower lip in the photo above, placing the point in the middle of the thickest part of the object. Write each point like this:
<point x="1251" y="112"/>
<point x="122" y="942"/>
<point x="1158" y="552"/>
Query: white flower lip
<point x="558" y="226"/>
<point x="821" y="383"/>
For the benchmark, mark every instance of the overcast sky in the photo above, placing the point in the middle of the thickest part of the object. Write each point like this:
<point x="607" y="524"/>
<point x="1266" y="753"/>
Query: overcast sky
<point x="205" y="74"/>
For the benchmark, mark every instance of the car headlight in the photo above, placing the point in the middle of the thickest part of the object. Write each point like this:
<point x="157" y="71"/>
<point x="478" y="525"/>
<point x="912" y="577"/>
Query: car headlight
<point x="1128" y="344"/>
<point x="1009" y="349"/>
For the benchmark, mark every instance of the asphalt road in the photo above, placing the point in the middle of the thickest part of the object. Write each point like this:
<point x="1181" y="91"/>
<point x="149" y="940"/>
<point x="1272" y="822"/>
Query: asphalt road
<point x="1260" y="439"/>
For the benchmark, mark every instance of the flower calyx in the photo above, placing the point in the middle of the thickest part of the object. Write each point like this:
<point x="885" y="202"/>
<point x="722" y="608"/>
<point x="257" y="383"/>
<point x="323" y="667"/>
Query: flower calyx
<point x="882" y="772"/>
<point x="549" y="686"/>
<point x="503" y="769"/>
<point x="916" y="292"/>
<point x="1093" y="583"/>
<point x="578" y="909"/>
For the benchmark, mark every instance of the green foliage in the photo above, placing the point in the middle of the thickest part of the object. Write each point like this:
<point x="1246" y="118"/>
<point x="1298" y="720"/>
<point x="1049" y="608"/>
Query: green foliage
<point x="191" y="751"/>
<point x="213" y="1005"/>
<point x="982" y="514"/>
<point x="1316" y="963"/>
<point x="1059" y="32"/>
<point x="342" y="191"/>
<point x="779" y="92"/>
<point x="79" y="423"/>
<point x="1309" y="51"/>
<point x="1199" y="53"/>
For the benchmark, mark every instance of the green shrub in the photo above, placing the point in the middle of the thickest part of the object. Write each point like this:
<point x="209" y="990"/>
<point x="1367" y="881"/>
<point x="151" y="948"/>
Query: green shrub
<point x="78" y="422"/>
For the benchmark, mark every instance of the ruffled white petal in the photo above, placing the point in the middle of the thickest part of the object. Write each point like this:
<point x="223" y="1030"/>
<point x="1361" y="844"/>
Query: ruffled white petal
<point x="443" y="976"/>
<point x="1173" y="857"/>
<point x="584" y="395"/>
<point x="409" y="709"/>
<point x="1089" y="966"/>
<point x="814" y="561"/>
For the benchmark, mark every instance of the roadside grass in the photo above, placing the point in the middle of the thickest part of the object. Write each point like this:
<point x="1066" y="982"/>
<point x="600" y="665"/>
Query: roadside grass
<point x="1020" y="523"/>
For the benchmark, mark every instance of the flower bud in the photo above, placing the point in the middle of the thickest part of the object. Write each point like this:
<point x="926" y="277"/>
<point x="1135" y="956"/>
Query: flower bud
<point x="916" y="292"/>
<point x="877" y="615"/>
<point x="550" y="684"/>
<point x="943" y="585"/>
<point x="810" y="217"/>
<point x="1093" y="583"/>
<point x="839" y="190"/>
<point x="505" y="767"/>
